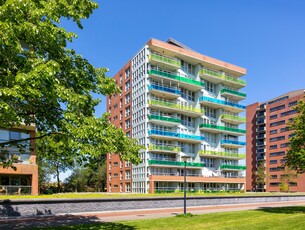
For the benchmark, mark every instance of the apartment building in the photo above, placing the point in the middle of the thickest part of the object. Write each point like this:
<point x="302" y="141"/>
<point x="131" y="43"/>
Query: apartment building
<point x="268" y="140"/>
<point x="181" y="103"/>
<point x="25" y="179"/>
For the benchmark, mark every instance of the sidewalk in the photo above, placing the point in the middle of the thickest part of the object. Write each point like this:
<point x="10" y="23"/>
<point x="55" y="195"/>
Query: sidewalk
<point x="87" y="218"/>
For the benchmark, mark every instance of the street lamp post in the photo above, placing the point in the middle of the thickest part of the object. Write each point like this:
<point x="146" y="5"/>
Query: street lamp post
<point x="184" y="158"/>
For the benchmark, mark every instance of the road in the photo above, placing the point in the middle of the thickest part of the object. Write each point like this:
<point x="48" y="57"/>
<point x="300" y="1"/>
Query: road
<point x="79" y="218"/>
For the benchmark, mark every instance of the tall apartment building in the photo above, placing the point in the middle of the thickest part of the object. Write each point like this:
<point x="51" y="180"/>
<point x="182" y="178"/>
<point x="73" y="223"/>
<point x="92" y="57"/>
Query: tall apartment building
<point x="268" y="139"/>
<point x="25" y="179"/>
<point x="178" y="102"/>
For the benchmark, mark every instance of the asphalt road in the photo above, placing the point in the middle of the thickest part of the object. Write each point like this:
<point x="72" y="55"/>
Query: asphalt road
<point x="110" y="217"/>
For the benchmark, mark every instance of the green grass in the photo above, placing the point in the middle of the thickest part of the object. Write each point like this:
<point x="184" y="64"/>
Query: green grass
<point x="267" y="218"/>
<point x="133" y="195"/>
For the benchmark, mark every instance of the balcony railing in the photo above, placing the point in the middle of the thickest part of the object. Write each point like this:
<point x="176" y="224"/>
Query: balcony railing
<point x="162" y="118"/>
<point x="171" y="61"/>
<point x="233" y="118"/>
<point x="175" y="77"/>
<point x="232" y="142"/>
<point x="222" y="128"/>
<point x="222" y="76"/>
<point x="164" y="89"/>
<point x="224" y="154"/>
<point x="235" y="167"/>
<point x="175" y="163"/>
<point x="233" y="92"/>
<point x="175" y="106"/>
<point x="164" y="148"/>
<point x="221" y="102"/>
<point x="176" y="135"/>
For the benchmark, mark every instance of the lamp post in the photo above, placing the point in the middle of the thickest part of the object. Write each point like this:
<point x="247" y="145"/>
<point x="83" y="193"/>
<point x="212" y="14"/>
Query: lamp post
<point x="184" y="158"/>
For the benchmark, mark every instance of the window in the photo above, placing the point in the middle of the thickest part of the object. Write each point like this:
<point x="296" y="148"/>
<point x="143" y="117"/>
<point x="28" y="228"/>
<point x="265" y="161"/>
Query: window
<point x="293" y="103"/>
<point x="127" y="174"/>
<point x="14" y="135"/>
<point x="273" y="131"/>
<point x="127" y="124"/>
<point x="284" y="145"/>
<point x="274" y="184"/>
<point x="290" y="112"/>
<point x="121" y="78"/>
<point x="273" y="176"/>
<point x="277" y="138"/>
<point x="127" y="163"/>
<point x="273" y="162"/>
<point x="210" y="87"/>
<point x="115" y="175"/>
<point x="275" y="154"/>
<point x="127" y="86"/>
<point x="127" y="111"/>
<point x="284" y="129"/>
<point x="127" y="73"/>
<point x="127" y="98"/>
<point x="209" y="162"/>
<point x="115" y="164"/>
<point x="277" y="108"/>
<point x="115" y="186"/>
<point x="273" y="117"/>
<point x="127" y="187"/>
<point x="277" y="123"/>
<point x="273" y="147"/>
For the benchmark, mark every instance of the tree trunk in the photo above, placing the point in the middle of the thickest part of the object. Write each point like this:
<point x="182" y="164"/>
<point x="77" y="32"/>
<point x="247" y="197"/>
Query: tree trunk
<point x="58" y="181"/>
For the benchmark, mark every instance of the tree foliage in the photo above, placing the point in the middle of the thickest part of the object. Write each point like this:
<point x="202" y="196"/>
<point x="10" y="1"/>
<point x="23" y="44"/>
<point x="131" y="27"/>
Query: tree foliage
<point x="260" y="176"/>
<point x="295" y="158"/>
<point x="45" y="83"/>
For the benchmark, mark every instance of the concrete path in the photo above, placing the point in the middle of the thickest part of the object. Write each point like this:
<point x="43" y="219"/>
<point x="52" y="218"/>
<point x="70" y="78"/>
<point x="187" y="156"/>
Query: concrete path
<point x="112" y="217"/>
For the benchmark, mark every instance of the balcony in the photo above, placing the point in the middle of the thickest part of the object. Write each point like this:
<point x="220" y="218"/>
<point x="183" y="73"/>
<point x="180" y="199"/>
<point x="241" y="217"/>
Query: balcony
<point x="166" y="62"/>
<point x="164" y="91"/>
<point x="232" y="144"/>
<point x="162" y="120"/>
<point x="187" y="83"/>
<point x="221" y="129"/>
<point x="176" y="163"/>
<point x="217" y="77"/>
<point x="164" y="148"/>
<point x="218" y="154"/>
<point x="221" y="104"/>
<point x="232" y="94"/>
<point x="165" y="135"/>
<point x="233" y="119"/>
<point x="232" y="167"/>
<point x="168" y="106"/>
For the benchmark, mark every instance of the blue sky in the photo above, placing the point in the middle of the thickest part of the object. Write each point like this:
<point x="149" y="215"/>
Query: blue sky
<point x="267" y="37"/>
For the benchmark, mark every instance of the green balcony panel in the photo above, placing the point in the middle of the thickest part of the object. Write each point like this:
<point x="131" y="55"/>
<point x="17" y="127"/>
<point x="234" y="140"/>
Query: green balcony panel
<point x="234" y="92"/>
<point x="224" y="128"/>
<point x="222" y="76"/>
<point x="175" y="77"/>
<point x="168" y="60"/>
<point x="161" y="118"/>
<point x="175" y="163"/>
<point x="164" y="148"/>
<point x="235" y="167"/>
<point x="176" y="106"/>
<point x="225" y="154"/>
<point x="231" y="117"/>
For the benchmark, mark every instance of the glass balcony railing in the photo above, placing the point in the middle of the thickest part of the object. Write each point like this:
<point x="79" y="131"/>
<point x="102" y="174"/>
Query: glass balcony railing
<point x="235" y="167"/>
<point x="231" y="142"/>
<point x="164" y="148"/>
<point x="222" y="76"/>
<point x="222" y="128"/>
<point x="233" y="118"/>
<point x="176" y="135"/>
<point x="221" y="102"/>
<point x="175" y="77"/>
<point x="224" y="154"/>
<point x="233" y="92"/>
<point x="162" y="118"/>
<point x="175" y="163"/>
<point x="175" y="106"/>
<point x="164" y="89"/>
<point x="160" y="58"/>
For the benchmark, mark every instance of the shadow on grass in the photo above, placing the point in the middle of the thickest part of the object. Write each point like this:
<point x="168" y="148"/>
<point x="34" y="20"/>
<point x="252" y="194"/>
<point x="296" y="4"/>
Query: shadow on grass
<point x="61" y="222"/>
<point x="284" y="210"/>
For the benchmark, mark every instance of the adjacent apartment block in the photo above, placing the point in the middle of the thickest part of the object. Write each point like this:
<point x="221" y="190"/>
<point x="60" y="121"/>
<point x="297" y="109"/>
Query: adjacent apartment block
<point x="178" y="102"/>
<point x="267" y="142"/>
<point x="25" y="179"/>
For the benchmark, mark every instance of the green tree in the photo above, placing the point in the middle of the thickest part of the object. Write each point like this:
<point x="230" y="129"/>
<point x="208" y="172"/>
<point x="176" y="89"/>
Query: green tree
<point x="45" y="83"/>
<point x="260" y="175"/>
<point x="286" y="179"/>
<point x="295" y="158"/>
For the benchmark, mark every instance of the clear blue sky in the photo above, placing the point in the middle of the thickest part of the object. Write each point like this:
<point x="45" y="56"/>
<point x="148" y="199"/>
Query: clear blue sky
<point x="267" y="37"/>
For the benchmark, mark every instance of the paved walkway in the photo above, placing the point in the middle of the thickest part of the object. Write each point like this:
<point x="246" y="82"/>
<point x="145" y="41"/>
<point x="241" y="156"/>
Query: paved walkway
<point x="79" y="218"/>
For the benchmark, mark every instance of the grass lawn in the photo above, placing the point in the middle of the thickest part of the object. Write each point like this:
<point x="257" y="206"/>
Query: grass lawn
<point x="132" y="195"/>
<point x="269" y="218"/>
